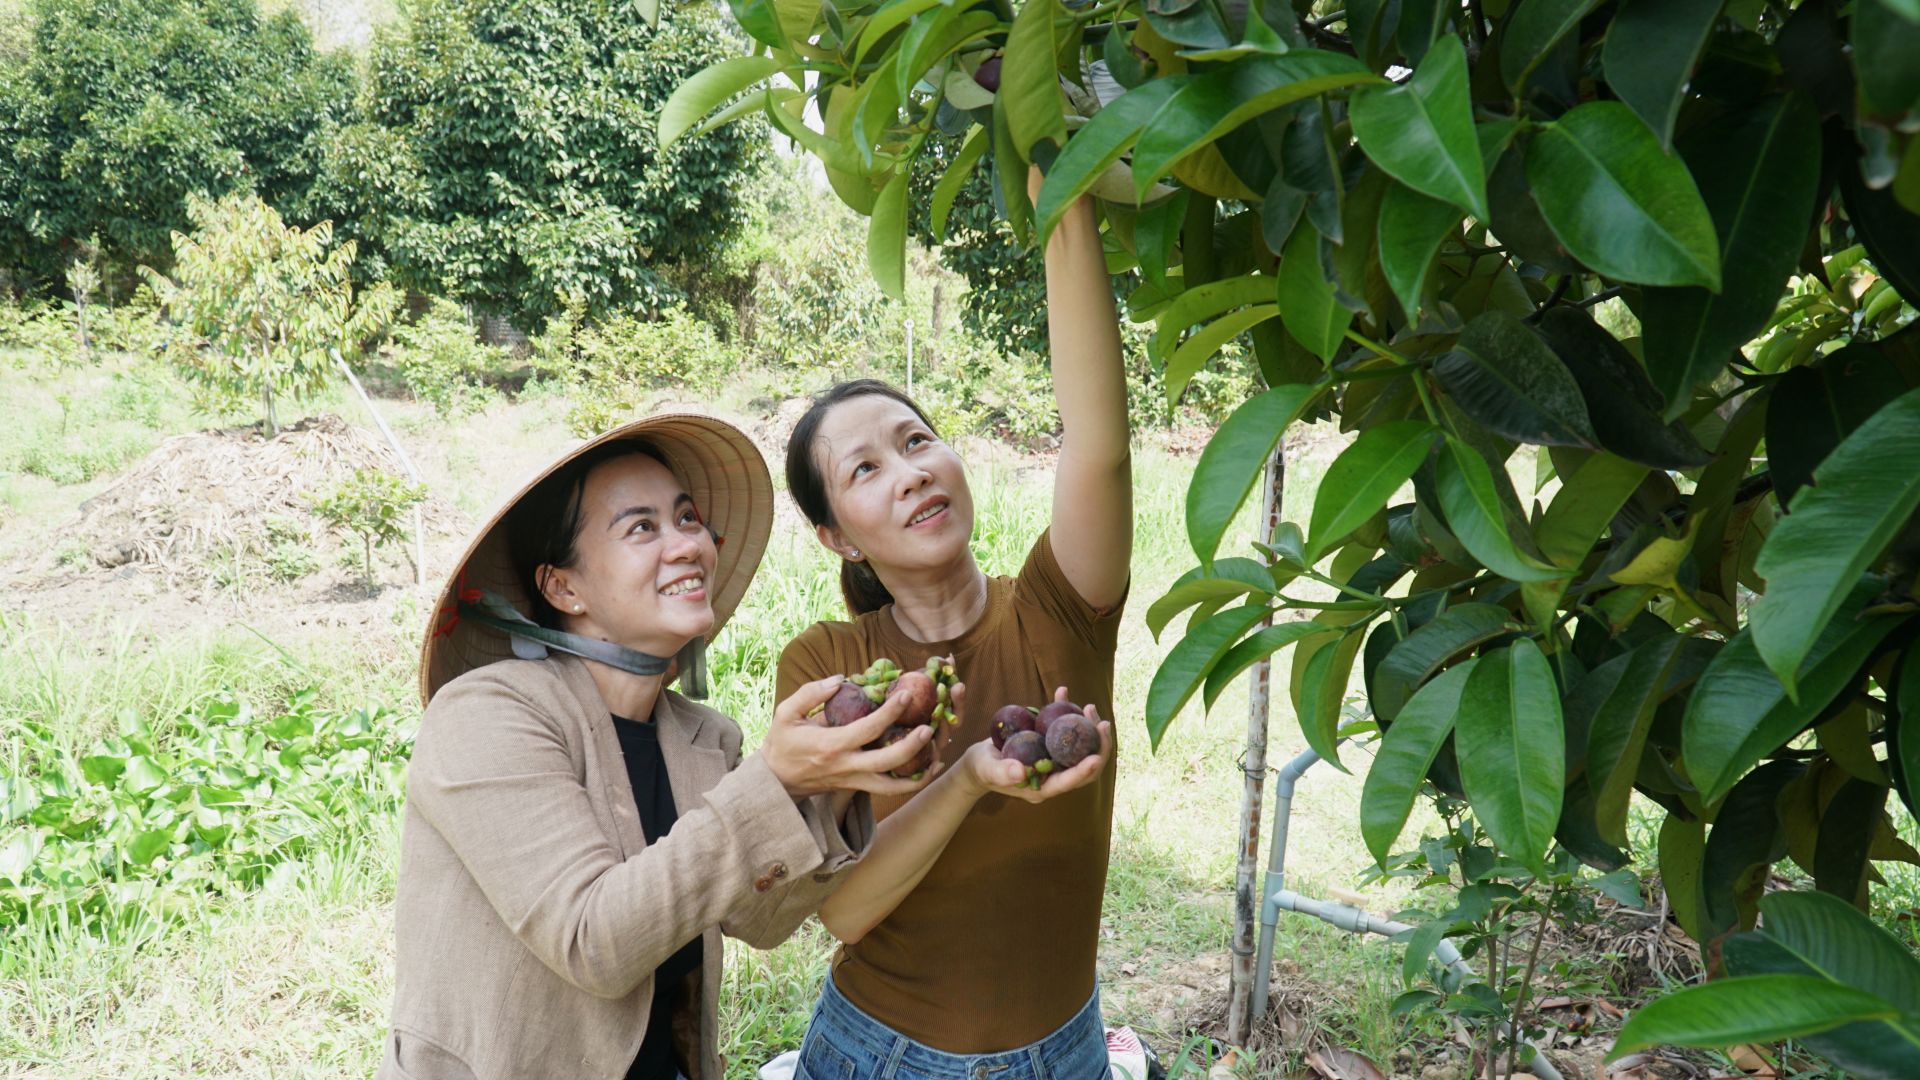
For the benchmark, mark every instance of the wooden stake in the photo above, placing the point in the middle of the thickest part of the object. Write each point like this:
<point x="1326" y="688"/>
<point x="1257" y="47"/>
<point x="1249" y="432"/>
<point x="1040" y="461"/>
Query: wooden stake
<point x="1247" y="900"/>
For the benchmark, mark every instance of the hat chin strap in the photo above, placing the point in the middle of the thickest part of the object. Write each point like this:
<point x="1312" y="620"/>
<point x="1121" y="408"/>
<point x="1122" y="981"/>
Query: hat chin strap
<point x="531" y="641"/>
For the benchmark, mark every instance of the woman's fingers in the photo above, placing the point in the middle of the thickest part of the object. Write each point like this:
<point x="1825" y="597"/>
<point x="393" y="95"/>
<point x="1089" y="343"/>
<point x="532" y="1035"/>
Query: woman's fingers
<point x="889" y="758"/>
<point x="803" y="700"/>
<point x="869" y="727"/>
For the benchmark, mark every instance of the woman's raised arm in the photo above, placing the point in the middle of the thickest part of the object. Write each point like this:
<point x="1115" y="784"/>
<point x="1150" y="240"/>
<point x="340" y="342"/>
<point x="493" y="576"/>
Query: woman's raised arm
<point x="1093" y="487"/>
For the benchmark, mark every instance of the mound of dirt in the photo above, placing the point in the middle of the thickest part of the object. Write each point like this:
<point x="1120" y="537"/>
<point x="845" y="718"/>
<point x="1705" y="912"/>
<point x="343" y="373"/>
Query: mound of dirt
<point x="203" y="497"/>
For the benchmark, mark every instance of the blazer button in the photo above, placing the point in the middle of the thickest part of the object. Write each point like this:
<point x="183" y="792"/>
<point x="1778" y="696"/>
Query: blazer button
<point x="778" y="870"/>
<point x="822" y="877"/>
<point x="763" y="883"/>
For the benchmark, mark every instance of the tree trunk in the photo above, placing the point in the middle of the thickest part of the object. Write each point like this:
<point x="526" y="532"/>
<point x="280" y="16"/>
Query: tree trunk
<point x="1247" y="900"/>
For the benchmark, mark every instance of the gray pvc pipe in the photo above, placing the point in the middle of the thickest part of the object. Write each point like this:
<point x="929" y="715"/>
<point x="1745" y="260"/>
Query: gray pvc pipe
<point x="1344" y="916"/>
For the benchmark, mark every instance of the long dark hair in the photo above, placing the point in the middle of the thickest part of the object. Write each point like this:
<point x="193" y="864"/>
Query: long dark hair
<point x="543" y="528"/>
<point x="859" y="585"/>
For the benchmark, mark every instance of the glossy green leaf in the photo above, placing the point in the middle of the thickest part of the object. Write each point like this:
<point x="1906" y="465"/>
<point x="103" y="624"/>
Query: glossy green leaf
<point x="1321" y="688"/>
<point x="1215" y="103"/>
<point x="1843" y="944"/>
<point x="1885" y="42"/>
<point x="1408" y="665"/>
<point x="1010" y="170"/>
<point x="955" y="178"/>
<point x="887" y="237"/>
<point x="933" y="37"/>
<point x="1512" y="749"/>
<point x="1361" y="480"/>
<point x="1030" y="76"/>
<point x="1412" y="228"/>
<point x="1193" y="353"/>
<point x="1831" y="398"/>
<point x="1682" y="843"/>
<point x="1258" y="646"/>
<point x="1618" y="700"/>
<point x="1229" y="579"/>
<point x="1308" y="307"/>
<point x="1739" y="711"/>
<point x="1650" y="52"/>
<point x="1759" y="181"/>
<point x="1533" y="31"/>
<point x="1747" y="1009"/>
<point x="1903" y="727"/>
<point x="1097" y="145"/>
<point x="891" y="16"/>
<point x="876" y="109"/>
<point x="1406" y="753"/>
<point x="1618" y="202"/>
<point x="1504" y="376"/>
<point x="1472" y="504"/>
<point x="1421" y="131"/>
<point x="1626" y="410"/>
<point x="1587" y="501"/>
<point x="1186" y="666"/>
<point x="1203" y="302"/>
<point x="1234" y="459"/>
<point x="1847" y="829"/>
<point x="1843" y="953"/>
<point x="706" y="89"/>
<point x="1862" y="494"/>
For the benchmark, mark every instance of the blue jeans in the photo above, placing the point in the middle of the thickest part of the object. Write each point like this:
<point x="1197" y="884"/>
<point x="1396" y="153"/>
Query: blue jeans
<point x="844" y="1043"/>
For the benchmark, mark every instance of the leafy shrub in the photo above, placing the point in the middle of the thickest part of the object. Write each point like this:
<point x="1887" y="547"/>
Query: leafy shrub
<point x="370" y="505"/>
<point x="443" y="363"/>
<point x="267" y="300"/>
<point x="142" y="822"/>
<point x="618" y="365"/>
<point x="122" y="108"/>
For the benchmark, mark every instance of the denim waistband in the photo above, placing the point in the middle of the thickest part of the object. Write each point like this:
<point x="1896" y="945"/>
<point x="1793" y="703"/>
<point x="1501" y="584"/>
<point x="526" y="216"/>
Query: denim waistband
<point x="1049" y="1056"/>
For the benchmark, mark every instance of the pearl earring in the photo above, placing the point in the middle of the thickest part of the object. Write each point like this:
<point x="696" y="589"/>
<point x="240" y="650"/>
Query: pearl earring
<point x="854" y="554"/>
<point x="578" y="608"/>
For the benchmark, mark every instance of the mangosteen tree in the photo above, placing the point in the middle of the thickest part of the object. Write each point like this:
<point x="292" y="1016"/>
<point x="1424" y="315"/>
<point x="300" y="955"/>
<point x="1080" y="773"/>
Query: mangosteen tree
<point x="1616" y="301"/>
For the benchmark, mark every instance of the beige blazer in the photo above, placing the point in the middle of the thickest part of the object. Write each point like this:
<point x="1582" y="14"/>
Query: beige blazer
<point x="531" y="911"/>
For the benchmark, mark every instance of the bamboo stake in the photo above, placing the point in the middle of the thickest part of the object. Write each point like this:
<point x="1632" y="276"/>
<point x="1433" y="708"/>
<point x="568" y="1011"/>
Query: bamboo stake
<point x="419" y="549"/>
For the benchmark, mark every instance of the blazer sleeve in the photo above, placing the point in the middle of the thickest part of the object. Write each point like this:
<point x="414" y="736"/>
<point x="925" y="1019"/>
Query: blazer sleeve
<point x="492" y="774"/>
<point x="772" y="917"/>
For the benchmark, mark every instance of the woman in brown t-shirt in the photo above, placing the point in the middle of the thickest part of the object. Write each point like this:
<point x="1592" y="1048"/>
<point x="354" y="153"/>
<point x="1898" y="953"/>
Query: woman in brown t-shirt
<point x="980" y="959"/>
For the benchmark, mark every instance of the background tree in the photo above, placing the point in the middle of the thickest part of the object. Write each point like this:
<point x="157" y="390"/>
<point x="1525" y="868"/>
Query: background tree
<point x="260" y="302"/>
<point x="506" y="156"/>
<point x="1649" y="263"/>
<point x="119" y="109"/>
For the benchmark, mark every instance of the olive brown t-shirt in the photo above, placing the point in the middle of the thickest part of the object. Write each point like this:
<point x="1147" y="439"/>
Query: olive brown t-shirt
<point x="995" y="948"/>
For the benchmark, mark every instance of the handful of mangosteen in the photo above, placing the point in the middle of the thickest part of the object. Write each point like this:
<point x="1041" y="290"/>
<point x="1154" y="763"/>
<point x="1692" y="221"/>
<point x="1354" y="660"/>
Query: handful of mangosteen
<point x="1053" y="738"/>
<point x="925" y="695"/>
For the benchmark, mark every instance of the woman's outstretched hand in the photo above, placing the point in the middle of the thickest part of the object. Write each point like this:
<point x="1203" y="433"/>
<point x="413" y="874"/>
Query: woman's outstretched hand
<point x="985" y="769"/>
<point x="809" y="757"/>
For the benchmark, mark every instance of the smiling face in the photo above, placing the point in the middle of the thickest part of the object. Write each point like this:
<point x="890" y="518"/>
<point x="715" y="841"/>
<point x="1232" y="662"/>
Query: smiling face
<point x="644" y="567"/>
<point x="898" y="494"/>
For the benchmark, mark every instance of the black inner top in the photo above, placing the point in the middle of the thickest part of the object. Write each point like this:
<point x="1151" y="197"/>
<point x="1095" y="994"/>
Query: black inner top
<point x="653" y="794"/>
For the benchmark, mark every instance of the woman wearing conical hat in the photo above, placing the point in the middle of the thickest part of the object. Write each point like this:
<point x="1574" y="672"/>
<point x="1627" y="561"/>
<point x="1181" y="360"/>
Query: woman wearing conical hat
<point x="578" y="837"/>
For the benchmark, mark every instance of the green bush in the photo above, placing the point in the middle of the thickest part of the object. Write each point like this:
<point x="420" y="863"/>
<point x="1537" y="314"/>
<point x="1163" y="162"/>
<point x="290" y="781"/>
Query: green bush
<point x="441" y="360"/>
<point x="142" y="822"/>
<point x="616" y="367"/>
<point x="122" y="108"/>
<point x="370" y="505"/>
